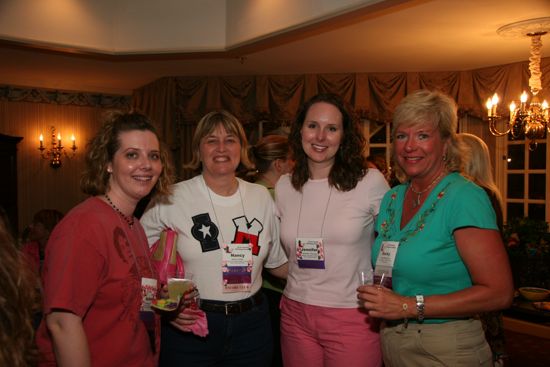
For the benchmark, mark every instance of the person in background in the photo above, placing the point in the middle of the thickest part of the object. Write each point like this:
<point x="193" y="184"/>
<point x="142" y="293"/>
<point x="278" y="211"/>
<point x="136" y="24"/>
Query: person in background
<point x="327" y="206"/>
<point x="42" y="225"/>
<point x="271" y="157"/>
<point x="17" y="294"/>
<point x="479" y="169"/>
<point x="227" y="233"/>
<point x="97" y="263"/>
<point x="443" y="259"/>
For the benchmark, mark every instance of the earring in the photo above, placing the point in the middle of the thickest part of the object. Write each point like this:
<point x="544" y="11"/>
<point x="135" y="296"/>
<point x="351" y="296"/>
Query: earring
<point x="109" y="170"/>
<point x="445" y="157"/>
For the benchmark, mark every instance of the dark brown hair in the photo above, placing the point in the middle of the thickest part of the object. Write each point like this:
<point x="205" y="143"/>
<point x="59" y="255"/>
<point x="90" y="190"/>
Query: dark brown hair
<point x="350" y="164"/>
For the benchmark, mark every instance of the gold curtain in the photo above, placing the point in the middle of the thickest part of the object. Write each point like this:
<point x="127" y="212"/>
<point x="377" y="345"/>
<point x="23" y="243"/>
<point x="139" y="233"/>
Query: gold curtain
<point x="177" y="103"/>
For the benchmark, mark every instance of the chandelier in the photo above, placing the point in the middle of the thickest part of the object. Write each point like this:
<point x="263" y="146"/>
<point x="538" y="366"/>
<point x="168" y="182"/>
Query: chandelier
<point x="528" y="119"/>
<point x="56" y="150"/>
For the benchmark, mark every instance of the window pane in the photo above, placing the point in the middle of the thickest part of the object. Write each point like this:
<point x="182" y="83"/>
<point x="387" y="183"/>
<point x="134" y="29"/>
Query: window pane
<point x="517" y="155"/>
<point x="514" y="210"/>
<point x="377" y="151"/>
<point x="378" y="132"/>
<point x="537" y="157"/>
<point x="537" y="186"/>
<point x="515" y="186"/>
<point x="537" y="211"/>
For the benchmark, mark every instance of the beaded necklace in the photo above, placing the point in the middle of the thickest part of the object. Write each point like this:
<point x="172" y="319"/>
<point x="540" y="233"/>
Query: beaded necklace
<point x="129" y="220"/>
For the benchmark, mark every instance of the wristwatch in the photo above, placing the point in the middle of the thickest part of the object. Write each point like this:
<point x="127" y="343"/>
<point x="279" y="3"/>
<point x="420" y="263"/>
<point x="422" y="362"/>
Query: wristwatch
<point x="420" y="307"/>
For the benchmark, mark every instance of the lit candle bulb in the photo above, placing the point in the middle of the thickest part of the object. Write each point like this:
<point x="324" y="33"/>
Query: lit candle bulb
<point x="545" y="109"/>
<point x="523" y="100"/>
<point x="512" y="111"/>
<point x="41" y="138"/>
<point x="59" y="139"/>
<point x="494" y="102"/>
<point x="489" y="106"/>
<point x="74" y="141"/>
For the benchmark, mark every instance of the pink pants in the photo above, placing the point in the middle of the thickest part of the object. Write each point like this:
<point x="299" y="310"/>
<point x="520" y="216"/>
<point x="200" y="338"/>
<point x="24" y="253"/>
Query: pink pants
<point x="314" y="336"/>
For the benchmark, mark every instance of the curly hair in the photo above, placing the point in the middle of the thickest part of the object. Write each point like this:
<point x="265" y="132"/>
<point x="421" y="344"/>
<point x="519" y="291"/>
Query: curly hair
<point x="103" y="146"/>
<point x="17" y="298"/>
<point x="436" y="108"/>
<point x="207" y="124"/>
<point x="350" y="164"/>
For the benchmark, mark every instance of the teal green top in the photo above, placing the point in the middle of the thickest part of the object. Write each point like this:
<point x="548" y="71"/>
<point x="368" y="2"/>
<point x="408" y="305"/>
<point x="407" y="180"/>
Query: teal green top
<point x="427" y="260"/>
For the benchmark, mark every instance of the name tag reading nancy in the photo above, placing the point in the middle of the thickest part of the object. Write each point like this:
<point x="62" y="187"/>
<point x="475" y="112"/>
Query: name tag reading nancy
<point x="237" y="267"/>
<point x="310" y="253"/>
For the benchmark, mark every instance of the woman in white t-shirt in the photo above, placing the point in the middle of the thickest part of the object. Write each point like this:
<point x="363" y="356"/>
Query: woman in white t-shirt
<point x="227" y="233"/>
<point x="327" y="206"/>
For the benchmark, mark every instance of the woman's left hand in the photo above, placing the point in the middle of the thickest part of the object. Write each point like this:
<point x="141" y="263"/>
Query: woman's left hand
<point x="383" y="303"/>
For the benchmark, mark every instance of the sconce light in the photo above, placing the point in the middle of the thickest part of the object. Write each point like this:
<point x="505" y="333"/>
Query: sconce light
<point x="56" y="150"/>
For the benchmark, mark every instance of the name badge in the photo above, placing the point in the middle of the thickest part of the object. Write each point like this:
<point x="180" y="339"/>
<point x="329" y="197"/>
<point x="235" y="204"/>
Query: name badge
<point x="149" y="289"/>
<point x="310" y="253"/>
<point x="384" y="263"/>
<point x="237" y="267"/>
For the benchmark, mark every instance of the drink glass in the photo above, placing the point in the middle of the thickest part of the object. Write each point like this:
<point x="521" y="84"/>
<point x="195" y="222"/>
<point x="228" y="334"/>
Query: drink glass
<point x="179" y="283"/>
<point x="366" y="276"/>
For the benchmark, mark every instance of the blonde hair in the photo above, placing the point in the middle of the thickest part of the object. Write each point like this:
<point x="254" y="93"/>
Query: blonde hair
<point x="478" y="167"/>
<point x="432" y="107"/>
<point x="207" y="124"/>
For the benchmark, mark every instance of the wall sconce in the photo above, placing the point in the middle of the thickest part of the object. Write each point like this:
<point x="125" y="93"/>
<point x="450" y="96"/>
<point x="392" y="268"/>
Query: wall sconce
<point x="56" y="150"/>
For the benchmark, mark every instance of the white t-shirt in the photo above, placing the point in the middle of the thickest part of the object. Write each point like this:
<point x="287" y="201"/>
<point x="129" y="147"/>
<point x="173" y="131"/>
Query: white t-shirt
<point x="346" y="225"/>
<point x="203" y="225"/>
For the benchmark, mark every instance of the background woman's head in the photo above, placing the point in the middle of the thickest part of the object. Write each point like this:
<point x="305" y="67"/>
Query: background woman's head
<point x="43" y="223"/>
<point x="211" y="124"/>
<point x="104" y="145"/>
<point x="272" y="152"/>
<point x="350" y="148"/>
<point x="436" y="110"/>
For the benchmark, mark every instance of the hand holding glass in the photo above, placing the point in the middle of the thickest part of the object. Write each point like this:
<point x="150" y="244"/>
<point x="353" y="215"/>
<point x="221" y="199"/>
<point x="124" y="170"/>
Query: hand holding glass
<point x="366" y="276"/>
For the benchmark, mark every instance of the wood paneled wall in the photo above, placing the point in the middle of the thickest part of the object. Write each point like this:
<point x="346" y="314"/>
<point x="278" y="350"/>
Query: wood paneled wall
<point x="39" y="185"/>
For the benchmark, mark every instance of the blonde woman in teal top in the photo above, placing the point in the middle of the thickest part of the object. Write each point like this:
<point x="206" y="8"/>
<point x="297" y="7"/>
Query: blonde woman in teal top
<point x="443" y="254"/>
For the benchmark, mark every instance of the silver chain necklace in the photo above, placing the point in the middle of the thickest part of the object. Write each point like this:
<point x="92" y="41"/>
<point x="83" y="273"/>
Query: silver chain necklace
<point x="416" y="202"/>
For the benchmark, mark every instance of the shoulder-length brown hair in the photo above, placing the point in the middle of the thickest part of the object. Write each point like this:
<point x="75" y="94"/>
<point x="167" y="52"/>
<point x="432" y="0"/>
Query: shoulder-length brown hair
<point x="103" y="146"/>
<point x="207" y="124"/>
<point x="350" y="163"/>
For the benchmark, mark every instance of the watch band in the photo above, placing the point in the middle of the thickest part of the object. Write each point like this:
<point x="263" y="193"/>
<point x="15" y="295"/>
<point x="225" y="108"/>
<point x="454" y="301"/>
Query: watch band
<point x="420" y="307"/>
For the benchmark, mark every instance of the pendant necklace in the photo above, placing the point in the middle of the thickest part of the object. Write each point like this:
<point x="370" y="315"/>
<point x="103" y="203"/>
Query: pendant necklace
<point x="129" y="220"/>
<point x="416" y="202"/>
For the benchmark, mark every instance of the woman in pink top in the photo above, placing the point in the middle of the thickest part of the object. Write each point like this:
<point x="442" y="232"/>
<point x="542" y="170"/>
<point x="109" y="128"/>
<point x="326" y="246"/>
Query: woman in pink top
<point x="328" y="207"/>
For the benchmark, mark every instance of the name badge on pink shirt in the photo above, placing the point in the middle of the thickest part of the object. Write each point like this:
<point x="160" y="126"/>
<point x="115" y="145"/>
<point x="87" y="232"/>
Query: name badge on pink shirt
<point x="310" y="253"/>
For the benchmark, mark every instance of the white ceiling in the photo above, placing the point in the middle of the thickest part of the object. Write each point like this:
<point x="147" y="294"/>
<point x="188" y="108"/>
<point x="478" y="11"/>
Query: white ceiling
<point x="314" y="36"/>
